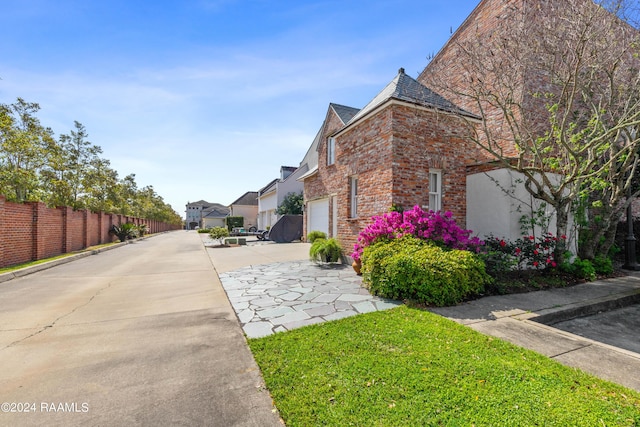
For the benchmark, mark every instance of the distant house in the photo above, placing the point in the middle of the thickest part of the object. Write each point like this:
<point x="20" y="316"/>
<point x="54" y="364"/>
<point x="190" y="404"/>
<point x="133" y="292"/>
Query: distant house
<point x="203" y="214"/>
<point x="246" y="206"/>
<point x="215" y="217"/>
<point x="320" y="198"/>
<point x="272" y="194"/>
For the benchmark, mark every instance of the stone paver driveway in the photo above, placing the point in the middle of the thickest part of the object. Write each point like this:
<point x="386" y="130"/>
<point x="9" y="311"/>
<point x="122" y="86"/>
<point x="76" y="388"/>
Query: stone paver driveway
<point x="277" y="297"/>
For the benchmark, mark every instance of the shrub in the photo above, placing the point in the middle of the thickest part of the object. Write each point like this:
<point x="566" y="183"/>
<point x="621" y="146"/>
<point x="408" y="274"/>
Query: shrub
<point x="437" y="227"/>
<point x="325" y="250"/>
<point x="219" y="233"/>
<point x="417" y="270"/>
<point x="124" y="231"/>
<point x="234" y="221"/>
<point x="581" y="268"/>
<point x="603" y="265"/>
<point x="142" y="229"/>
<point x="526" y="253"/>
<point x="498" y="256"/>
<point x="312" y="236"/>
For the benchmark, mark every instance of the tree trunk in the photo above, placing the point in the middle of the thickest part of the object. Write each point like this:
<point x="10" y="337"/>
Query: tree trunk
<point x="562" y="223"/>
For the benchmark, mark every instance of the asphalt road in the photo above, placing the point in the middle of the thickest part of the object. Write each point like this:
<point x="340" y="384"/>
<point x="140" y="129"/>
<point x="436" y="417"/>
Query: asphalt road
<point x="139" y="335"/>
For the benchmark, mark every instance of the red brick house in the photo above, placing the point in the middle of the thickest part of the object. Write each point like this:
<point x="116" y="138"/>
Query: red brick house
<point x="407" y="146"/>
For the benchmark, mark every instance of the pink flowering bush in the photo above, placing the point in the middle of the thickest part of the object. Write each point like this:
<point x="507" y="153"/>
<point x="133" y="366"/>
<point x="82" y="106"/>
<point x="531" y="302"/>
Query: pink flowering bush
<point x="437" y="227"/>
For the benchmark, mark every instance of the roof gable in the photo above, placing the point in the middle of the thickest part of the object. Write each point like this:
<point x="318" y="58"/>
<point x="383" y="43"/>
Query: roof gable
<point x="343" y="112"/>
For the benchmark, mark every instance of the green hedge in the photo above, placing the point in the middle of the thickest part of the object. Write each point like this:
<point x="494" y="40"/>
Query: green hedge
<point x="418" y="270"/>
<point x="234" y="221"/>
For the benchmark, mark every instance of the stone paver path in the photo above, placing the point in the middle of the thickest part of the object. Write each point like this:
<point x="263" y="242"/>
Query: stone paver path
<point x="278" y="297"/>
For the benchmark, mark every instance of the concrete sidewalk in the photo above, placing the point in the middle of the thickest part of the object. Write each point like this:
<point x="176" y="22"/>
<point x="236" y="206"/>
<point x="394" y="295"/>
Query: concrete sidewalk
<point x="540" y="321"/>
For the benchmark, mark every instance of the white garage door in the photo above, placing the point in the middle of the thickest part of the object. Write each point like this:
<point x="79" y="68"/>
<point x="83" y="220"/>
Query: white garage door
<point x="318" y="216"/>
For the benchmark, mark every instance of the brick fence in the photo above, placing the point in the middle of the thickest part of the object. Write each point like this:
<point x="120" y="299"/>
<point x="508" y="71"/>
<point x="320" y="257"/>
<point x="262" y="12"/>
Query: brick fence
<point x="32" y="231"/>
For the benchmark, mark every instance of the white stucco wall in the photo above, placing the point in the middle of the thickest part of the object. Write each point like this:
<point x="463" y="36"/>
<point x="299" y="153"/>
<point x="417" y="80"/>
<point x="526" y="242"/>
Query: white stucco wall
<point x="249" y="213"/>
<point x="213" y="222"/>
<point x="291" y="185"/>
<point x="490" y="210"/>
<point x="267" y="205"/>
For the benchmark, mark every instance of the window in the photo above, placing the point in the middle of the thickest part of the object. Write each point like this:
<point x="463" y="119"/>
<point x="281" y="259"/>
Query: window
<point x="331" y="151"/>
<point x="435" y="190"/>
<point x="354" y="196"/>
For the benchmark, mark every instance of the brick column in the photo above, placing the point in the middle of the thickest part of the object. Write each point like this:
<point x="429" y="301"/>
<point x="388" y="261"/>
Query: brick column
<point x="85" y="229"/>
<point x="38" y="232"/>
<point x="3" y="232"/>
<point x="66" y="232"/>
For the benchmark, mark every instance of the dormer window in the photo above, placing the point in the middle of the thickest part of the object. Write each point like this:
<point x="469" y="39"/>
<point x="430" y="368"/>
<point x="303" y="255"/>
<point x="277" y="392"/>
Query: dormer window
<point x="331" y="151"/>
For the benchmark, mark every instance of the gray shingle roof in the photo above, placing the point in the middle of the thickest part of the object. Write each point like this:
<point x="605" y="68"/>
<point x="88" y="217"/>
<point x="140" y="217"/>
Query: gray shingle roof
<point x="405" y="88"/>
<point x="345" y="113"/>
<point x="216" y="213"/>
<point x="250" y="198"/>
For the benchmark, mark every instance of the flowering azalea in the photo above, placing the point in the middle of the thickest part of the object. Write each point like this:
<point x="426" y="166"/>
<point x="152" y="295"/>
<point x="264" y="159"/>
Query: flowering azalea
<point x="435" y="226"/>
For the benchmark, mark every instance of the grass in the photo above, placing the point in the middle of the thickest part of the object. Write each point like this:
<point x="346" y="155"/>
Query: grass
<point x="409" y="367"/>
<point x="42" y="261"/>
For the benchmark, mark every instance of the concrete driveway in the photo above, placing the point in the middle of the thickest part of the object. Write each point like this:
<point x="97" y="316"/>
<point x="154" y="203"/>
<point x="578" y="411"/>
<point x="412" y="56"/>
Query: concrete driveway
<point x="140" y="335"/>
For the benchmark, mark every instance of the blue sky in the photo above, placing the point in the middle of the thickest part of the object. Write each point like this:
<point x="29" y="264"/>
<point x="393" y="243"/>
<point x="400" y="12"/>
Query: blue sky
<point x="206" y="99"/>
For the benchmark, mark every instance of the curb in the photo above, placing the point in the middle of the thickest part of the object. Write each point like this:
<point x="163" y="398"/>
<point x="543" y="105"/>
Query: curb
<point x="572" y="311"/>
<point x="5" y="277"/>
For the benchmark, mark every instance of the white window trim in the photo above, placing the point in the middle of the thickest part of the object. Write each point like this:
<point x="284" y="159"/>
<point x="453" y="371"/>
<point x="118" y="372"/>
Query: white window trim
<point x="331" y="151"/>
<point x="353" y="196"/>
<point x="435" y="194"/>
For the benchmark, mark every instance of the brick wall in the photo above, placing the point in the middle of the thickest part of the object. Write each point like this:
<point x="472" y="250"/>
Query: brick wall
<point x="16" y="230"/>
<point x="32" y="231"/>
<point x="470" y="63"/>
<point x="391" y="154"/>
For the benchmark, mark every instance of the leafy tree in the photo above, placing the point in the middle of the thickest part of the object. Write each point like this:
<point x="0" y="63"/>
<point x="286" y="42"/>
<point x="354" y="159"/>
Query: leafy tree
<point x="81" y="155"/>
<point x="101" y="187"/>
<point x="70" y="172"/>
<point x="24" y="148"/>
<point x="558" y="86"/>
<point x="291" y="204"/>
<point x="69" y="175"/>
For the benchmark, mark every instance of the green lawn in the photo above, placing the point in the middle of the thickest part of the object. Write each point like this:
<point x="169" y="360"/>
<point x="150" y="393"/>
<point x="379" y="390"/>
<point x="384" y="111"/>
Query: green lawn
<point x="408" y="367"/>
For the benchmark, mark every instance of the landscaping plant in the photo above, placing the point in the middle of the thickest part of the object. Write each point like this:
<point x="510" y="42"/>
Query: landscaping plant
<point x="124" y="231"/>
<point x="313" y="235"/>
<point x="437" y="227"/>
<point x="142" y="229"/>
<point x="219" y="233"/>
<point x="420" y="271"/>
<point x="325" y="250"/>
<point x="526" y="253"/>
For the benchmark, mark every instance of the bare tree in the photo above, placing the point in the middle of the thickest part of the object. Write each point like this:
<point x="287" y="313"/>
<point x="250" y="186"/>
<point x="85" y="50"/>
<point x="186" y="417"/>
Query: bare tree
<point x="557" y="83"/>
